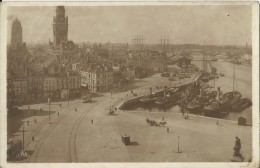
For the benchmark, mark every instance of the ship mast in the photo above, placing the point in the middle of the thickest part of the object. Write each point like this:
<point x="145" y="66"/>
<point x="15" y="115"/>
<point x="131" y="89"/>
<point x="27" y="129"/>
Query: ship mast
<point x="110" y="101"/>
<point x="234" y="74"/>
<point x="204" y="57"/>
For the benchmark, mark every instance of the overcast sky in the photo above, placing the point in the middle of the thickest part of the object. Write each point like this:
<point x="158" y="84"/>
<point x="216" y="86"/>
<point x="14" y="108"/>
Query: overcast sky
<point x="220" y="25"/>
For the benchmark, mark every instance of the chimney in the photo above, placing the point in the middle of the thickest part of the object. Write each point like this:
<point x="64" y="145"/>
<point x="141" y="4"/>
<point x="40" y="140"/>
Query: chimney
<point x="201" y="92"/>
<point x="218" y="94"/>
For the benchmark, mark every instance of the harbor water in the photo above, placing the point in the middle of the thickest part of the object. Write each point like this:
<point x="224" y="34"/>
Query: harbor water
<point x="242" y="83"/>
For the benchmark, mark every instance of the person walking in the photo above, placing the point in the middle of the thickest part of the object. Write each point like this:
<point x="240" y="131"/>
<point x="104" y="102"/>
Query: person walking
<point x="217" y="123"/>
<point x="92" y="122"/>
<point x="168" y="130"/>
<point x="237" y="147"/>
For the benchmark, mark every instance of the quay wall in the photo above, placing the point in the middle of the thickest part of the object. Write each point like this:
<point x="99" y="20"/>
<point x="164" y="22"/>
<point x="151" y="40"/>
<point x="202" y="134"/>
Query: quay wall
<point x="124" y="103"/>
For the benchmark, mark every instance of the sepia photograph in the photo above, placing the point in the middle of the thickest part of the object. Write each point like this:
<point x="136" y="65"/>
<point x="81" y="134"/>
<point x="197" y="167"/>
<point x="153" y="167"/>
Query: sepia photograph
<point x="130" y="83"/>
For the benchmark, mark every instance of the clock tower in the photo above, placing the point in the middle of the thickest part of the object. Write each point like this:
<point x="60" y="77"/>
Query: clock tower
<point x="60" y="26"/>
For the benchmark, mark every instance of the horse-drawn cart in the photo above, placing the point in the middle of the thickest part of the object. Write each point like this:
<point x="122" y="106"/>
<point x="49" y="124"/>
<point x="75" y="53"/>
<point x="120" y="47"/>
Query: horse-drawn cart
<point x="155" y="123"/>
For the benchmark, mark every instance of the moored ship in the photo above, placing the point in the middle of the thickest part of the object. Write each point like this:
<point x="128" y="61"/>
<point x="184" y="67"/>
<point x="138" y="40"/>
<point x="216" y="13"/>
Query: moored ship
<point x="241" y="104"/>
<point x="216" y="109"/>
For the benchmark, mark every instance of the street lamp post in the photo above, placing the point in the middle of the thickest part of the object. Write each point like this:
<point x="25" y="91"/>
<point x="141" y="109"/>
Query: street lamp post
<point x="49" y="110"/>
<point x="23" y="136"/>
<point x="68" y="101"/>
<point x="234" y="74"/>
<point x="179" y="145"/>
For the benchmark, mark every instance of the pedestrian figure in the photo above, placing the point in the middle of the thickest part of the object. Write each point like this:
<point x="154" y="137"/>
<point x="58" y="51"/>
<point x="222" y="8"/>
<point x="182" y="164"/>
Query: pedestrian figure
<point x="75" y="109"/>
<point x="27" y="122"/>
<point x="32" y="138"/>
<point x="217" y="123"/>
<point x="92" y="122"/>
<point x="58" y="113"/>
<point x="168" y="130"/>
<point x="237" y="147"/>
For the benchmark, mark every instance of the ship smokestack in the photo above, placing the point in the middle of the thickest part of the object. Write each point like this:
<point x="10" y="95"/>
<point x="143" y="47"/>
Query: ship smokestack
<point x="218" y="94"/>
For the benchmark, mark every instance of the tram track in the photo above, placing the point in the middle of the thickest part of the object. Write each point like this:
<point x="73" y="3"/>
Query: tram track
<point x="46" y="134"/>
<point x="73" y="134"/>
<point x="43" y="137"/>
<point x="38" y="129"/>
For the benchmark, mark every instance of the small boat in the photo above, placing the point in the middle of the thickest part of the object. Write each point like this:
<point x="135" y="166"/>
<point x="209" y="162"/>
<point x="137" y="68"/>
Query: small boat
<point x="231" y="97"/>
<point x="216" y="109"/>
<point x="241" y="104"/>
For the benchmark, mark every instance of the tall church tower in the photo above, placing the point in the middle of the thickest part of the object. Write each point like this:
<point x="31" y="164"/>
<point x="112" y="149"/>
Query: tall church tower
<point x="17" y="33"/>
<point x="60" y="26"/>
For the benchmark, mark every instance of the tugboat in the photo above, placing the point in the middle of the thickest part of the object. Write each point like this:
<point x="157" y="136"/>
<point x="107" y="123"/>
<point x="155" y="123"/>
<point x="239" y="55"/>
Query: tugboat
<point x="241" y="104"/>
<point x="216" y="109"/>
<point x="231" y="97"/>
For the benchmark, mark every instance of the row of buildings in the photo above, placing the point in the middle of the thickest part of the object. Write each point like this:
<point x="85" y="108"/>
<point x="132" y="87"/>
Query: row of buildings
<point x="57" y="83"/>
<point x="61" y="69"/>
<point x="28" y="89"/>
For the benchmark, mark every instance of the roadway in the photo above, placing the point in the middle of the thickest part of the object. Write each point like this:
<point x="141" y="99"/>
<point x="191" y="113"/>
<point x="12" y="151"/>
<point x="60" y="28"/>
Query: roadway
<point x="71" y="137"/>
